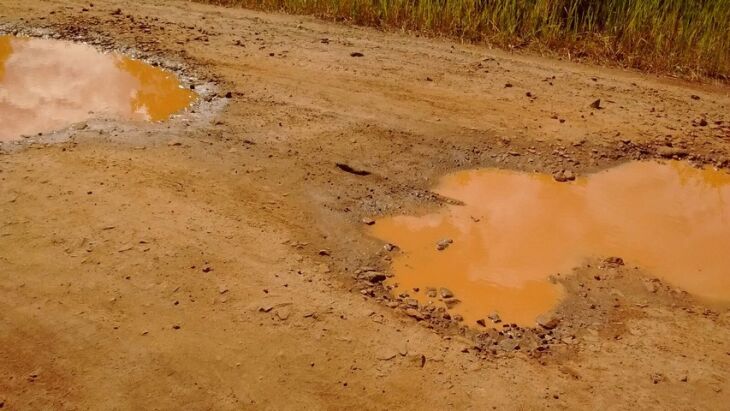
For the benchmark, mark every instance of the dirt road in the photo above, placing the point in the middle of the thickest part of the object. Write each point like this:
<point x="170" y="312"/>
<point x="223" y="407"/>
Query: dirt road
<point x="210" y="262"/>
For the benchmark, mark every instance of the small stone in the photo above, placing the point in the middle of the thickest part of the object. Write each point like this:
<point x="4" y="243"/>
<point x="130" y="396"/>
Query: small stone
<point x="431" y="292"/>
<point x="548" y="322"/>
<point x="403" y="350"/>
<point x="387" y="356"/>
<point x="374" y="276"/>
<point x="656" y="378"/>
<point x="419" y="360"/>
<point x="325" y="252"/>
<point x="495" y="317"/>
<point x="368" y="221"/>
<point x="695" y="97"/>
<point x="411" y="302"/>
<point x="702" y="122"/>
<point x="266" y="308"/>
<point x="562" y="176"/>
<point x="671" y="152"/>
<point x="596" y="104"/>
<point x="651" y="286"/>
<point x="451" y="302"/>
<point x="482" y="322"/>
<point x="614" y="261"/>
<point x="282" y="314"/>
<point x="222" y="289"/>
<point x="444" y="244"/>
<point x="229" y="95"/>
<point x="356" y="54"/>
<point x="176" y="327"/>
<point x="509" y="344"/>
<point x="446" y="293"/>
<point x="458" y="317"/>
<point x="412" y="312"/>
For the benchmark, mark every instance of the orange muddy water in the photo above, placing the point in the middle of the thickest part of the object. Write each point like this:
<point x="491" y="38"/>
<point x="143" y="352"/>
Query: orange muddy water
<point x="517" y="229"/>
<point x="46" y="85"/>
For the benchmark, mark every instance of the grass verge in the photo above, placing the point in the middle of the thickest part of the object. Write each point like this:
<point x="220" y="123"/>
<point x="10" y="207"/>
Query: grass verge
<point x="688" y="38"/>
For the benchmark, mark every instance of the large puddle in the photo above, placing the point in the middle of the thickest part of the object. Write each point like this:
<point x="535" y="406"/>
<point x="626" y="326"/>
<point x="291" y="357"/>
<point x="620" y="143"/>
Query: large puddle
<point x="517" y="229"/>
<point x="46" y="85"/>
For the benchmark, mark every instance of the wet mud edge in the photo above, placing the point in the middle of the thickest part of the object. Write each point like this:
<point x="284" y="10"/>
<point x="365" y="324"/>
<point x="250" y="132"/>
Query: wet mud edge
<point x="210" y="101"/>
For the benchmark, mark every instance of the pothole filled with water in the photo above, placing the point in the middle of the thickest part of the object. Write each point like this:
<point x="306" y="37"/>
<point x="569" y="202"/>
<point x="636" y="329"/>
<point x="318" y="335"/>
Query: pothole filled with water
<point x="497" y="252"/>
<point x="46" y="85"/>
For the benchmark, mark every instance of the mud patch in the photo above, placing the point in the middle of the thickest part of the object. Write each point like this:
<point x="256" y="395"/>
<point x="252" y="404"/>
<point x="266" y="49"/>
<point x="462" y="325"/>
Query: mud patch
<point x="498" y="252"/>
<point x="46" y="85"/>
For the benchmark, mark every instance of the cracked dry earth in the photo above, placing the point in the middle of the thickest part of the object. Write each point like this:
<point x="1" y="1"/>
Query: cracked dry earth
<point x="216" y="262"/>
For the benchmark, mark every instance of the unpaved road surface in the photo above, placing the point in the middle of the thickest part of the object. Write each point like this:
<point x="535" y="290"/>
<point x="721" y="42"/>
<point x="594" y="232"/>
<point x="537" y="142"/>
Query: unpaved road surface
<point x="210" y="262"/>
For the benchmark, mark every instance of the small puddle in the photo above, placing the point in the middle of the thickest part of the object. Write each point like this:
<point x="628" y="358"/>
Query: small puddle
<point x="517" y="229"/>
<point x="46" y="85"/>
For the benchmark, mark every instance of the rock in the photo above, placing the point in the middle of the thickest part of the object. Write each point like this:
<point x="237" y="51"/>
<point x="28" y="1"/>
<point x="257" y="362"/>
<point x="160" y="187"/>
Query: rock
<point x="482" y="322"/>
<point x="356" y="54"/>
<point x="651" y="286"/>
<point x="671" y="152"/>
<point x="451" y="302"/>
<point x="509" y="344"/>
<point x="325" y="252"/>
<point x="282" y="314"/>
<point x="266" y="308"/>
<point x="548" y="322"/>
<point x="412" y="312"/>
<point x="614" y="261"/>
<point x="702" y="122"/>
<point x="368" y="221"/>
<point x="656" y="378"/>
<point x="596" y="104"/>
<point x="403" y="350"/>
<point x="495" y="317"/>
<point x="562" y="176"/>
<point x="374" y="276"/>
<point x="458" y="317"/>
<point x="411" y="302"/>
<point x="508" y="85"/>
<point x="419" y="360"/>
<point x="444" y="244"/>
<point x="695" y="97"/>
<point x="431" y="292"/>
<point x="446" y="293"/>
<point x="386" y="356"/>
<point x="222" y="289"/>
<point x="349" y="169"/>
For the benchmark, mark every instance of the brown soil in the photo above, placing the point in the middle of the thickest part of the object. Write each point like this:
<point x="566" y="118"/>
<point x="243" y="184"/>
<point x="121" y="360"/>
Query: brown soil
<point x="212" y="262"/>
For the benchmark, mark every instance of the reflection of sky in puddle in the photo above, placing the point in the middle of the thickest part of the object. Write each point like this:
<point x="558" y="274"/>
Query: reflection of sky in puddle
<point x="517" y="229"/>
<point x="46" y="85"/>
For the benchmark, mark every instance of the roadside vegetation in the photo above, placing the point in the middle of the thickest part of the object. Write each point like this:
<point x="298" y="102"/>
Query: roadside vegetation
<point x="690" y="38"/>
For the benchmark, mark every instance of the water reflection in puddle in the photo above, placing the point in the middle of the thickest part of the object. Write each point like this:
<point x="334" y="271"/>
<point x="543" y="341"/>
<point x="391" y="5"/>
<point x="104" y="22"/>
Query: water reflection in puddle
<point x="517" y="229"/>
<point x="46" y="85"/>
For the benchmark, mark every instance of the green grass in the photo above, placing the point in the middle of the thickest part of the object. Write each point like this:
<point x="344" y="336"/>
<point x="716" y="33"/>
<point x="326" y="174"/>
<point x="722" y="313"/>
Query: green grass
<point x="690" y="38"/>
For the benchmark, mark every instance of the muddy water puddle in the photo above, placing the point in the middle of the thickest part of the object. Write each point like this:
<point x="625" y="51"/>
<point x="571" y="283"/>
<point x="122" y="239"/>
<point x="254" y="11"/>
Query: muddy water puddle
<point x="517" y="229"/>
<point x="46" y="85"/>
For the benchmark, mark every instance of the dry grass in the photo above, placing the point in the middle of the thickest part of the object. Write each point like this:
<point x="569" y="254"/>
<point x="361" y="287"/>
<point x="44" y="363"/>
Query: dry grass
<point x="690" y="38"/>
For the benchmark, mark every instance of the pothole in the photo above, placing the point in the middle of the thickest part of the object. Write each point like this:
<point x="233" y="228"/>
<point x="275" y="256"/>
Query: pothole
<point x="46" y="85"/>
<point x="494" y="257"/>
